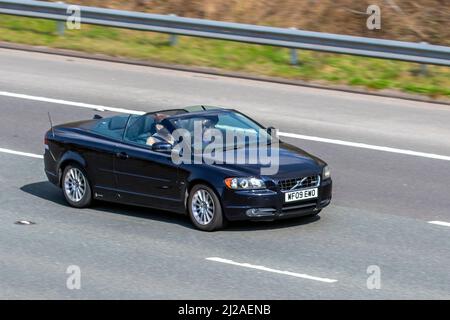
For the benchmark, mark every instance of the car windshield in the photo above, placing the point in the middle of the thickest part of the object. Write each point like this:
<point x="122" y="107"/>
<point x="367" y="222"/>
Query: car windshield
<point x="229" y="124"/>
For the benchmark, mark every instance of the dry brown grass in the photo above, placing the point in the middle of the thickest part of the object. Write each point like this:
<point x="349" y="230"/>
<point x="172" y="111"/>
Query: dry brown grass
<point x="425" y="20"/>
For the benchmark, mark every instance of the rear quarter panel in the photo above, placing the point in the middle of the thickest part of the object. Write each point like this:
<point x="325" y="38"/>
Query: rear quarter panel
<point x="93" y="152"/>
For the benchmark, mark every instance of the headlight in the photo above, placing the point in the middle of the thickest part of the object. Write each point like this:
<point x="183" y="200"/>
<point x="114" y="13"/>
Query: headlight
<point x="326" y="173"/>
<point x="244" y="183"/>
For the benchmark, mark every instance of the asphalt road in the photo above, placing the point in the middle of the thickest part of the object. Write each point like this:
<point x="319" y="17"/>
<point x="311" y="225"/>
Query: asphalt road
<point x="383" y="201"/>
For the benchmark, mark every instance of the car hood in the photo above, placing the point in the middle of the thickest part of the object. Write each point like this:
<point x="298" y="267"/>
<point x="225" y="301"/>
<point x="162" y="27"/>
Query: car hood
<point x="293" y="162"/>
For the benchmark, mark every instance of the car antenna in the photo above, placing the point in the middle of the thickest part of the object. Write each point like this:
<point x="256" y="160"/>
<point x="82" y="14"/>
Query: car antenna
<point x="51" y="124"/>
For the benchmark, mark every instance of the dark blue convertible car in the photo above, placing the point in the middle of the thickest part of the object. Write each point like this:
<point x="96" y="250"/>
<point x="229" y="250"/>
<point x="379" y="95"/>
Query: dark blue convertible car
<point x="135" y="159"/>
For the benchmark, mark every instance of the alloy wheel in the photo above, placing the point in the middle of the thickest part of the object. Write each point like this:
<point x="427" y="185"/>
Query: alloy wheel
<point x="202" y="207"/>
<point x="75" y="184"/>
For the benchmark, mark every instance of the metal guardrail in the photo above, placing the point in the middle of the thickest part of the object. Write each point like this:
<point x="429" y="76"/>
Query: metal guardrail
<point x="289" y="38"/>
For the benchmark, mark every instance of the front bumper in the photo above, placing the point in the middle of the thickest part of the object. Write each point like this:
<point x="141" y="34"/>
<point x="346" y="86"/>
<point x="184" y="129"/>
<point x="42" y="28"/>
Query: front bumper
<point x="269" y="204"/>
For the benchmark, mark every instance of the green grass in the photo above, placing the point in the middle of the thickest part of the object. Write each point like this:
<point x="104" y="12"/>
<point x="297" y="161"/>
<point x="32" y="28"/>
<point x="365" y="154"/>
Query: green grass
<point x="369" y="73"/>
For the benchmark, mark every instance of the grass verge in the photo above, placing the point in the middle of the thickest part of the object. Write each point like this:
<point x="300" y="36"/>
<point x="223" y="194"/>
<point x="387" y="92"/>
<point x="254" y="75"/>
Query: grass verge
<point x="324" y="68"/>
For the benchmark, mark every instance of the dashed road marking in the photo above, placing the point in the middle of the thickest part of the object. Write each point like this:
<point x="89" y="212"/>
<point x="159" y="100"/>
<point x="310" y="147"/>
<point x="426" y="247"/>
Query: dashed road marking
<point x="440" y="223"/>
<point x="262" y="268"/>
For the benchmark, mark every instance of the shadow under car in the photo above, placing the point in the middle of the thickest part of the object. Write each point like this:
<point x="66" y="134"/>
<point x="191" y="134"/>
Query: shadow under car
<point x="47" y="191"/>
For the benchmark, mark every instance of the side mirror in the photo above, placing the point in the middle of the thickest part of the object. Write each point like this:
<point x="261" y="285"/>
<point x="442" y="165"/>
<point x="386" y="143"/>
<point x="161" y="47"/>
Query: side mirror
<point x="271" y="130"/>
<point x="164" y="147"/>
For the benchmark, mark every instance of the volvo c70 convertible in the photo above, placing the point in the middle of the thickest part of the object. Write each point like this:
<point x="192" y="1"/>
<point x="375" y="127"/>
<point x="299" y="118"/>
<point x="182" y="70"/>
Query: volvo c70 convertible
<point x="130" y="159"/>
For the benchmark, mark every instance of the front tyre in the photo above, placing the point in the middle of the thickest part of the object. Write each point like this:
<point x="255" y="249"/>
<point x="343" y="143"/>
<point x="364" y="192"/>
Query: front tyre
<point x="76" y="187"/>
<point x="204" y="208"/>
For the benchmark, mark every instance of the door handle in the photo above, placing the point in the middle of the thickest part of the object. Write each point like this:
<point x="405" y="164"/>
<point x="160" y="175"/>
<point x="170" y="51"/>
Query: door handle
<point x="122" y="155"/>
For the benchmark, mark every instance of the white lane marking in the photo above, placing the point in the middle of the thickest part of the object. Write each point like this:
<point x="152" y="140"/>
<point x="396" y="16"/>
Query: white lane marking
<point x="285" y="134"/>
<point x="69" y="103"/>
<point x="440" y="223"/>
<point x="262" y="268"/>
<point x="366" y="146"/>
<point x="19" y="153"/>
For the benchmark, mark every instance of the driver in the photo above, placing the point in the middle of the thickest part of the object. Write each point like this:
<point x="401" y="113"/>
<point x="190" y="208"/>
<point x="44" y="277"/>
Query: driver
<point x="161" y="135"/>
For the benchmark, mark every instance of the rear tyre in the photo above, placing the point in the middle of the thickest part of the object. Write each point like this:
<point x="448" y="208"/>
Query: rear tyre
<point x="76" y="187"/>
<point x="204" y="208"/>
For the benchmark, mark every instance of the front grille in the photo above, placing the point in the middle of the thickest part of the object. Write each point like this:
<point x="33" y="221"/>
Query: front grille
<point x="299" y="183"/>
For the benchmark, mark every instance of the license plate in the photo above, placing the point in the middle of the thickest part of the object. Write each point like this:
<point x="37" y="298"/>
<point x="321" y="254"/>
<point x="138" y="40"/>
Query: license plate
<point x="301" y="195"/>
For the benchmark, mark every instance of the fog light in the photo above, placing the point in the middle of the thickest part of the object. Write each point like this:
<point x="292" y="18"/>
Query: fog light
<point x="260" y="212"/>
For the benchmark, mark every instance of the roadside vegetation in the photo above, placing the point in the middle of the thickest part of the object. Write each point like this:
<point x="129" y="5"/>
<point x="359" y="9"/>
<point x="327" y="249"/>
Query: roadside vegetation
<point x="316" y="67"/>
<point x="405" y="20"/>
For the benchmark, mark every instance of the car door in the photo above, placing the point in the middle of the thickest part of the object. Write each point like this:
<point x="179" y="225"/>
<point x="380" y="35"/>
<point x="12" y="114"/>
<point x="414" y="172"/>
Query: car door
<point x="143" y="176"/>
<point x="98" y="149"/>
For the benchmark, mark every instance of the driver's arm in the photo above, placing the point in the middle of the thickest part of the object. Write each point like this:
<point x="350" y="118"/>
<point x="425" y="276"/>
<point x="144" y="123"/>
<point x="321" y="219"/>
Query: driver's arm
<point x="150" y="141"/>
